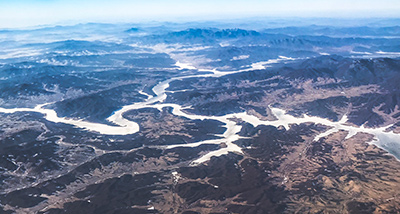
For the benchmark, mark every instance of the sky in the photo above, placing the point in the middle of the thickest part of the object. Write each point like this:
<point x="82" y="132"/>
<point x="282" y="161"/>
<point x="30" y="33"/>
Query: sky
<point x="25" y="13"/>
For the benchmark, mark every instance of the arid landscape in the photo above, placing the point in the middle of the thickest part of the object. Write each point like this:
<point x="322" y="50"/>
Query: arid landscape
<point x="177" y="118"/>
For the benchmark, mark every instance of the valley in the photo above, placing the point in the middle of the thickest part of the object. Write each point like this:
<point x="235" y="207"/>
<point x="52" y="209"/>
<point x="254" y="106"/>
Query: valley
<point x="179" y="119"/>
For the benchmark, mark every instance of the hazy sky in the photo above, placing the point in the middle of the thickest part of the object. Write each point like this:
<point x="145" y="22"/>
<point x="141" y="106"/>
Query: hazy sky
<point x="21" y="13"/>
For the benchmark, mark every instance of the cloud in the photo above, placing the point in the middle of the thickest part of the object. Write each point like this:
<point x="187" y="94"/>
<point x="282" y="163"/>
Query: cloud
<point x="29" y="12"/>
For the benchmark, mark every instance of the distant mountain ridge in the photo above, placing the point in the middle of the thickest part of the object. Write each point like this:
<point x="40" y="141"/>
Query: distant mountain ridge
<point x="204" y="35"/>
<point x="215" y="33"/>
<point x="337" y="31"/>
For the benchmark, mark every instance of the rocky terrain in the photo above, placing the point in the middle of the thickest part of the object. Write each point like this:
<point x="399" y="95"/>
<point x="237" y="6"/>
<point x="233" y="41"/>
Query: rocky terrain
<point x="214" y="109"/>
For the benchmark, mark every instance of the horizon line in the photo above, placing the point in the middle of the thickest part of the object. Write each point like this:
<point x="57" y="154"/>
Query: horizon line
<point x="190" y="19"/>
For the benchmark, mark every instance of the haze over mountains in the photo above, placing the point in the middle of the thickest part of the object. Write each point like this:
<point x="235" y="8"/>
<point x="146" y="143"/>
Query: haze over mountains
<point x="201" y="117"/>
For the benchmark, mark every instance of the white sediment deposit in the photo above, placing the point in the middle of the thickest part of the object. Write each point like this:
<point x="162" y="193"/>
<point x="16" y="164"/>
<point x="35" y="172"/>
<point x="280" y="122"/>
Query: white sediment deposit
<point x="123" y="126"/>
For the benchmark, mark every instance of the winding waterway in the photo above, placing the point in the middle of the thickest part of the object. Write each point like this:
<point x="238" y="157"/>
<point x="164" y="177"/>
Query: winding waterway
<point x="389" y="141"/>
